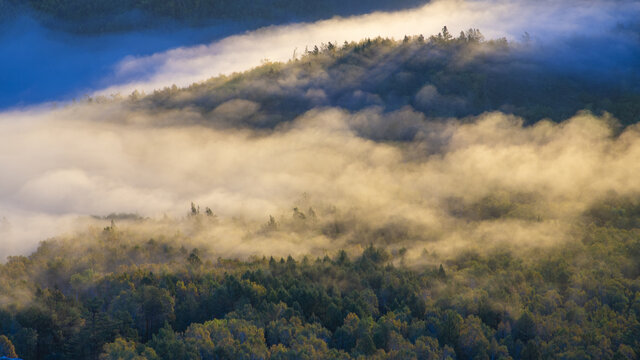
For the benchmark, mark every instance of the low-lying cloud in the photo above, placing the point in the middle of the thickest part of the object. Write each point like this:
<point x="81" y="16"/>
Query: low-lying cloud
<point x="331" y="178"/>
<point x="484" y="182"/>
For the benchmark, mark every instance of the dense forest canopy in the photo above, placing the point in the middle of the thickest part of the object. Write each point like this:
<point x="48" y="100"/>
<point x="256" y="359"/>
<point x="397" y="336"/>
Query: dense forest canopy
<point x="111" y="294"/>
<point x="441" y="77"/>
<point x="445" y="196"/>
<point x="419" y="235"/>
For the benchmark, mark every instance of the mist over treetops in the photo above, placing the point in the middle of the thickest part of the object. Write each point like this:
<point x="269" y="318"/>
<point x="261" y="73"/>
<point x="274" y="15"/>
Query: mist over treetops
<point x="377" y="186"/>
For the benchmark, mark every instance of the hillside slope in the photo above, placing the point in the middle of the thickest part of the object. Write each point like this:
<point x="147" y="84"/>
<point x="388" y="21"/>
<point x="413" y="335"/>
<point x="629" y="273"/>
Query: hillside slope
<point x="440" y="77"/>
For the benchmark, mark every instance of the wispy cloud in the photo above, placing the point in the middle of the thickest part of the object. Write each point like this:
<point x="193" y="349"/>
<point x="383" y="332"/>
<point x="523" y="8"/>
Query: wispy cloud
<point x="89" y="158"/>
<point x="97" y="159"/>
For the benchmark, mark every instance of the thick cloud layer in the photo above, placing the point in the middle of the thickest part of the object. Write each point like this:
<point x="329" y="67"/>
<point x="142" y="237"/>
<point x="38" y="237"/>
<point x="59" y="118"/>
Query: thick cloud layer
<point x="485" y="182"/>
<point x="454" y="184"/>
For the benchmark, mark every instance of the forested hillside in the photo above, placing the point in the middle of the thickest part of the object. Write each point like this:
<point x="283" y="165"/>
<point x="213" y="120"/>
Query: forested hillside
<point x="443" y="76"/>
<point x="110" y="294"/>
<point x="447" y="197"/>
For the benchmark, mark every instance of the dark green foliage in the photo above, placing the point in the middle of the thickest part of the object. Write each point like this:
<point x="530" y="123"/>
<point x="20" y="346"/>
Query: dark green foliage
<point x="574" y="300"/>
<point x="194" y="259"/>
<point x="168" y="345"/>
<point x="530" y="351"/>
<point x="525" y="328"/>
<point x="616" y="212"/>
<point x="404" y="86"/>
<point x="449" y="328"/>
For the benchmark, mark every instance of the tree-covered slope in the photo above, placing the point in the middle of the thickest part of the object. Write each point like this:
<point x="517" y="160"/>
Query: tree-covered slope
<point x="110" y="292"/>
<point x="427" y="232"/>
<point x="441" y="77"/>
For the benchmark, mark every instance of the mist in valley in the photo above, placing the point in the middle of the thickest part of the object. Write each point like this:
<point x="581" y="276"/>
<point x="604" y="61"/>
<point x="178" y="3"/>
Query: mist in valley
<point x="453" y="179"/>
<point x="434" y="170"/>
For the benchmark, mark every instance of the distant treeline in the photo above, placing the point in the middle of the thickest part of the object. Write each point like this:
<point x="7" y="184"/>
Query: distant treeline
<point x="441" y="76"/>
<point x="108" y="295"/>
<point x="112" y="15"/>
